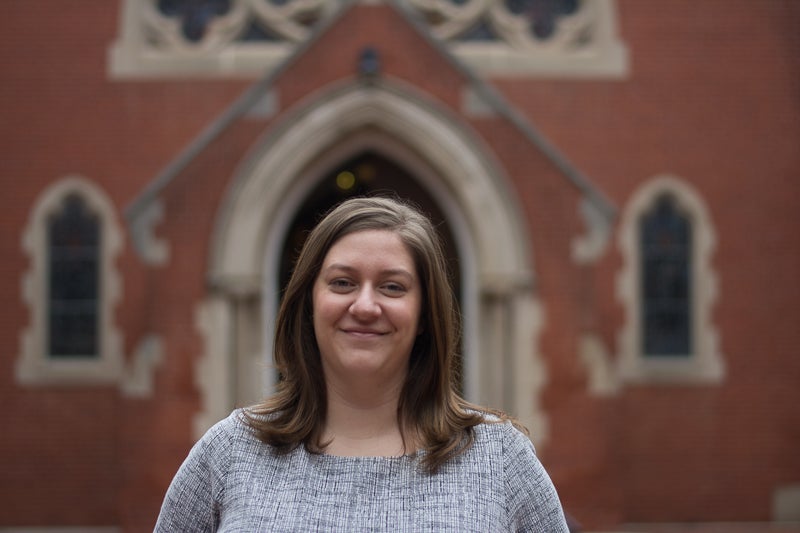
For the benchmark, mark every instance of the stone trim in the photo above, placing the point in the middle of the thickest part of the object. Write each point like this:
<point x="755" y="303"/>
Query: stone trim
<point x="585" y="44"/>
<point x="137" y="378"/>
<point x="786" y="503"/>
<point x="150" y="45"/>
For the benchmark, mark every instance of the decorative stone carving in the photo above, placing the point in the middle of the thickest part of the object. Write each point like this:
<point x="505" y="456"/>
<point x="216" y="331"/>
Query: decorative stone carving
<point x="189" y="26"/>
<point x="137" y="377"/>
<point x="169" y="38"/>
<point x="522" y="24"/>
<point x="590" y="246"/>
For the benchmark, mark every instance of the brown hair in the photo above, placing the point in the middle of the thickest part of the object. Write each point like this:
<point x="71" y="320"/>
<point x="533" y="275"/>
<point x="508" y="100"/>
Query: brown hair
<point x="429" y="405"/>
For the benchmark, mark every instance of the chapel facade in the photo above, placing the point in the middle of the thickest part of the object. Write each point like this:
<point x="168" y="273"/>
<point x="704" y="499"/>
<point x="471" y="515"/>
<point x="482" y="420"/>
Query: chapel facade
<point x="615" y="183"/>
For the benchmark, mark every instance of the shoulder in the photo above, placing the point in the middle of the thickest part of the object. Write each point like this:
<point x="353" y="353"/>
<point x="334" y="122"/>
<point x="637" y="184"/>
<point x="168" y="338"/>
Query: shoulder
<point x="527" y="493"/>
<point x="504" y="432"/>
<point x="228" y="430"/>
<point x="531" y="498"/>
<point x="498" y="442"/>
<point x="501" y="442"/>
<point x="200" y="483"/>
<point x="225" y="438"/>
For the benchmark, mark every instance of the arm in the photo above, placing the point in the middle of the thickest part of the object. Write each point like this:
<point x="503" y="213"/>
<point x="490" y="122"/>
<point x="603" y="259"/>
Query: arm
<point x="533" y="503"/>
<point x="192" y="502"/>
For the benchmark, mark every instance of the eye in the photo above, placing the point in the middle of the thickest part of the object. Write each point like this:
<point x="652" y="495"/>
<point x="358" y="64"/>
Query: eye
<point x="341" y="284"/>
<point x="394" y="289"/>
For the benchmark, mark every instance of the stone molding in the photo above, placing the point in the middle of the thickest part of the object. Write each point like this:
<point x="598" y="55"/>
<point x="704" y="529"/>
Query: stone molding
<point x="149" y="44"/>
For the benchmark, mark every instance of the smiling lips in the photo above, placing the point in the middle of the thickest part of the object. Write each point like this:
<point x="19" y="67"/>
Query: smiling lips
<point x="361" y="332"/>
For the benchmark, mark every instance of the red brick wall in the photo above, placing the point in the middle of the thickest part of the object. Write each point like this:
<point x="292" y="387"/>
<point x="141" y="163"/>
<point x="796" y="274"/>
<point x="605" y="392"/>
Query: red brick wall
<point x="69" y="455"/>
<point x="711" y="97"/>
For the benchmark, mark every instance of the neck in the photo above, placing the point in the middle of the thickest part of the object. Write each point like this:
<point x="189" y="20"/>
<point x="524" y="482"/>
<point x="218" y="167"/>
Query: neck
<point x="363" y="423"/>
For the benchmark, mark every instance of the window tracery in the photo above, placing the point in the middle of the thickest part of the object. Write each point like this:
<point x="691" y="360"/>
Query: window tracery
<point x="73" y="246"/>
<point x="665" y="248"/>
<point x="194" y="16"/>
<point x="224" y="37"/>
<point x="521" y="24"/>
<point x="197" y="25"/>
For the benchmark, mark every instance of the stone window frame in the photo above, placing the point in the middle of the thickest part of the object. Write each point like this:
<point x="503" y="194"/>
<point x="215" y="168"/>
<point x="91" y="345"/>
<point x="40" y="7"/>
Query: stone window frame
<point x="705" y="363"/>
<point x="34" y="365"/>
<point x="149" y="45"/>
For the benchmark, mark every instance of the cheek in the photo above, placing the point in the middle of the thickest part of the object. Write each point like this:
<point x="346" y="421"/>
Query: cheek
<point x="317" y="311"/>
<point x="321" y="327"/>
<point x="326" y="309"/>
<point x="415" y="319"/>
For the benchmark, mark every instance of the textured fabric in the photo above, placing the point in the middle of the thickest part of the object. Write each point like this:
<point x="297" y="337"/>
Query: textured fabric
<point x="233" y="482"/>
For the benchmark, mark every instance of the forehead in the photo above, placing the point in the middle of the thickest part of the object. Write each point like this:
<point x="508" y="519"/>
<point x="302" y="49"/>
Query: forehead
<point x="370" y="246"/>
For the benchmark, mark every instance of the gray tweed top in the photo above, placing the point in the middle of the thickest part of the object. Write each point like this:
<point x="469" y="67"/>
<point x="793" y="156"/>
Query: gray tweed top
<point x="233" y="482"/>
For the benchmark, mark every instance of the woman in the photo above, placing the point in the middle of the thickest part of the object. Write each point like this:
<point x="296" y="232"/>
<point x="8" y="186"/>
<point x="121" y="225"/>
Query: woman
<point x="365" y="431"/>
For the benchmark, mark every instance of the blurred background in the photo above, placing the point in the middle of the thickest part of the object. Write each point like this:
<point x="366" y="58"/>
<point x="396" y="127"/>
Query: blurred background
<point x="616" y="182"/>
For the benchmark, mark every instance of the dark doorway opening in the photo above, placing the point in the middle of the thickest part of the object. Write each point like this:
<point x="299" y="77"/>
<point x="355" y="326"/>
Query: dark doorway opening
<point x="365" y="174"/>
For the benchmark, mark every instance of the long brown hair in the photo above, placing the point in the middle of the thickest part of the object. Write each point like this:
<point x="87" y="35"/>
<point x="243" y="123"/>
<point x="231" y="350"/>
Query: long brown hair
<point x="429" y="405"/>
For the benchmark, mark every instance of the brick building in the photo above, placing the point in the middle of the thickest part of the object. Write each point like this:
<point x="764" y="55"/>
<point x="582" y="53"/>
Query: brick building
<point x="616" y="181"/>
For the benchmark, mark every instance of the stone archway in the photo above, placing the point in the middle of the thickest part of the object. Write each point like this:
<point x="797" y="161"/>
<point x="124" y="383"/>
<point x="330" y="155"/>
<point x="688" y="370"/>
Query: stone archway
<point x="502" y="316"/>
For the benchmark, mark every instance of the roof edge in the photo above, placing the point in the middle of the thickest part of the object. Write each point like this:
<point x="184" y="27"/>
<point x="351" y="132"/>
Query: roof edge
<point x="139" y="205"/>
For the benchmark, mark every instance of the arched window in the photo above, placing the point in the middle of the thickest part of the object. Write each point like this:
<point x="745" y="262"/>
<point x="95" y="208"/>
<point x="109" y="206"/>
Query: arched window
<point x="668" y="287"/>
<point x="665" y="254"/>
<point x="71" y="287"/>
<point x="73" y="249"/>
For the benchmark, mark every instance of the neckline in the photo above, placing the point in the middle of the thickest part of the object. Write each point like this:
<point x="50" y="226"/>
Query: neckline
<point x="365" y="458"/>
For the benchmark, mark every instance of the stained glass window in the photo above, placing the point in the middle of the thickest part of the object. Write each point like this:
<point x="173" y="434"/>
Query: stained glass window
<point x="666" y="241"/>
<point x="73" y="297"/>
<point x="195" y="15"/>
<point x="542" y="15"/>
<point x="196" y="18"/>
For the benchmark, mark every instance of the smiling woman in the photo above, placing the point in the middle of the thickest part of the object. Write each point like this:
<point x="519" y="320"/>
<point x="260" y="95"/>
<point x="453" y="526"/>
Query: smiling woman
<point x="366" y="430"/>
<point x="366" y="302"/>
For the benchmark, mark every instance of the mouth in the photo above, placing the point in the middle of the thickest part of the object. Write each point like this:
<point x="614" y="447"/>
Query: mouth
<point x="364" y="333"/>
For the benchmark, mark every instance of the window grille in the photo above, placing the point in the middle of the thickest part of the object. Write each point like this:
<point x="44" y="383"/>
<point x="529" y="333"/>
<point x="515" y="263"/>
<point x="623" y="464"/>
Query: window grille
<point x="73" y="288"/>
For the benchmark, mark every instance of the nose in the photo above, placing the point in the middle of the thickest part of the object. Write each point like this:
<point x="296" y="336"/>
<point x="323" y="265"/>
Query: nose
<point x="365" y="306"/>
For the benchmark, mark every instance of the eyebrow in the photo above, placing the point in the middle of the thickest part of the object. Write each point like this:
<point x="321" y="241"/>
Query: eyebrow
<point x="386" y="272"/>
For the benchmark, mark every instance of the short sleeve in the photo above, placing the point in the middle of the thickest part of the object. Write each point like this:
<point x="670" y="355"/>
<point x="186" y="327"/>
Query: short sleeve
<point x="192" y="500"/>
<point x="533" y="503"/>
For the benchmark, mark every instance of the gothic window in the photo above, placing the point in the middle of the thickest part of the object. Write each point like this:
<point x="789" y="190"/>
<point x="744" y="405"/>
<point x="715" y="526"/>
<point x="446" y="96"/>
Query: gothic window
<point x="542" y="16"/>
<point x="194" y="16"/>
<point x="169" y="38"/>
<point x="71" y="287"/>
<point x="666" y="239"/>
<point x="521" y="22"/>
<point x="668" y="287"/>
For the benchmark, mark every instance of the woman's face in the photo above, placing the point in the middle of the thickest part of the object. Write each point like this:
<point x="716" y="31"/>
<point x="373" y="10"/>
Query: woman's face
<point x="367" y="299"/>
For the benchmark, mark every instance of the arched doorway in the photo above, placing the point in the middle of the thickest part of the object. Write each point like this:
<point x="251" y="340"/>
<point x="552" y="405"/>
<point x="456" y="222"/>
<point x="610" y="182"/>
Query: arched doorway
<point x="502" y="316"/>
